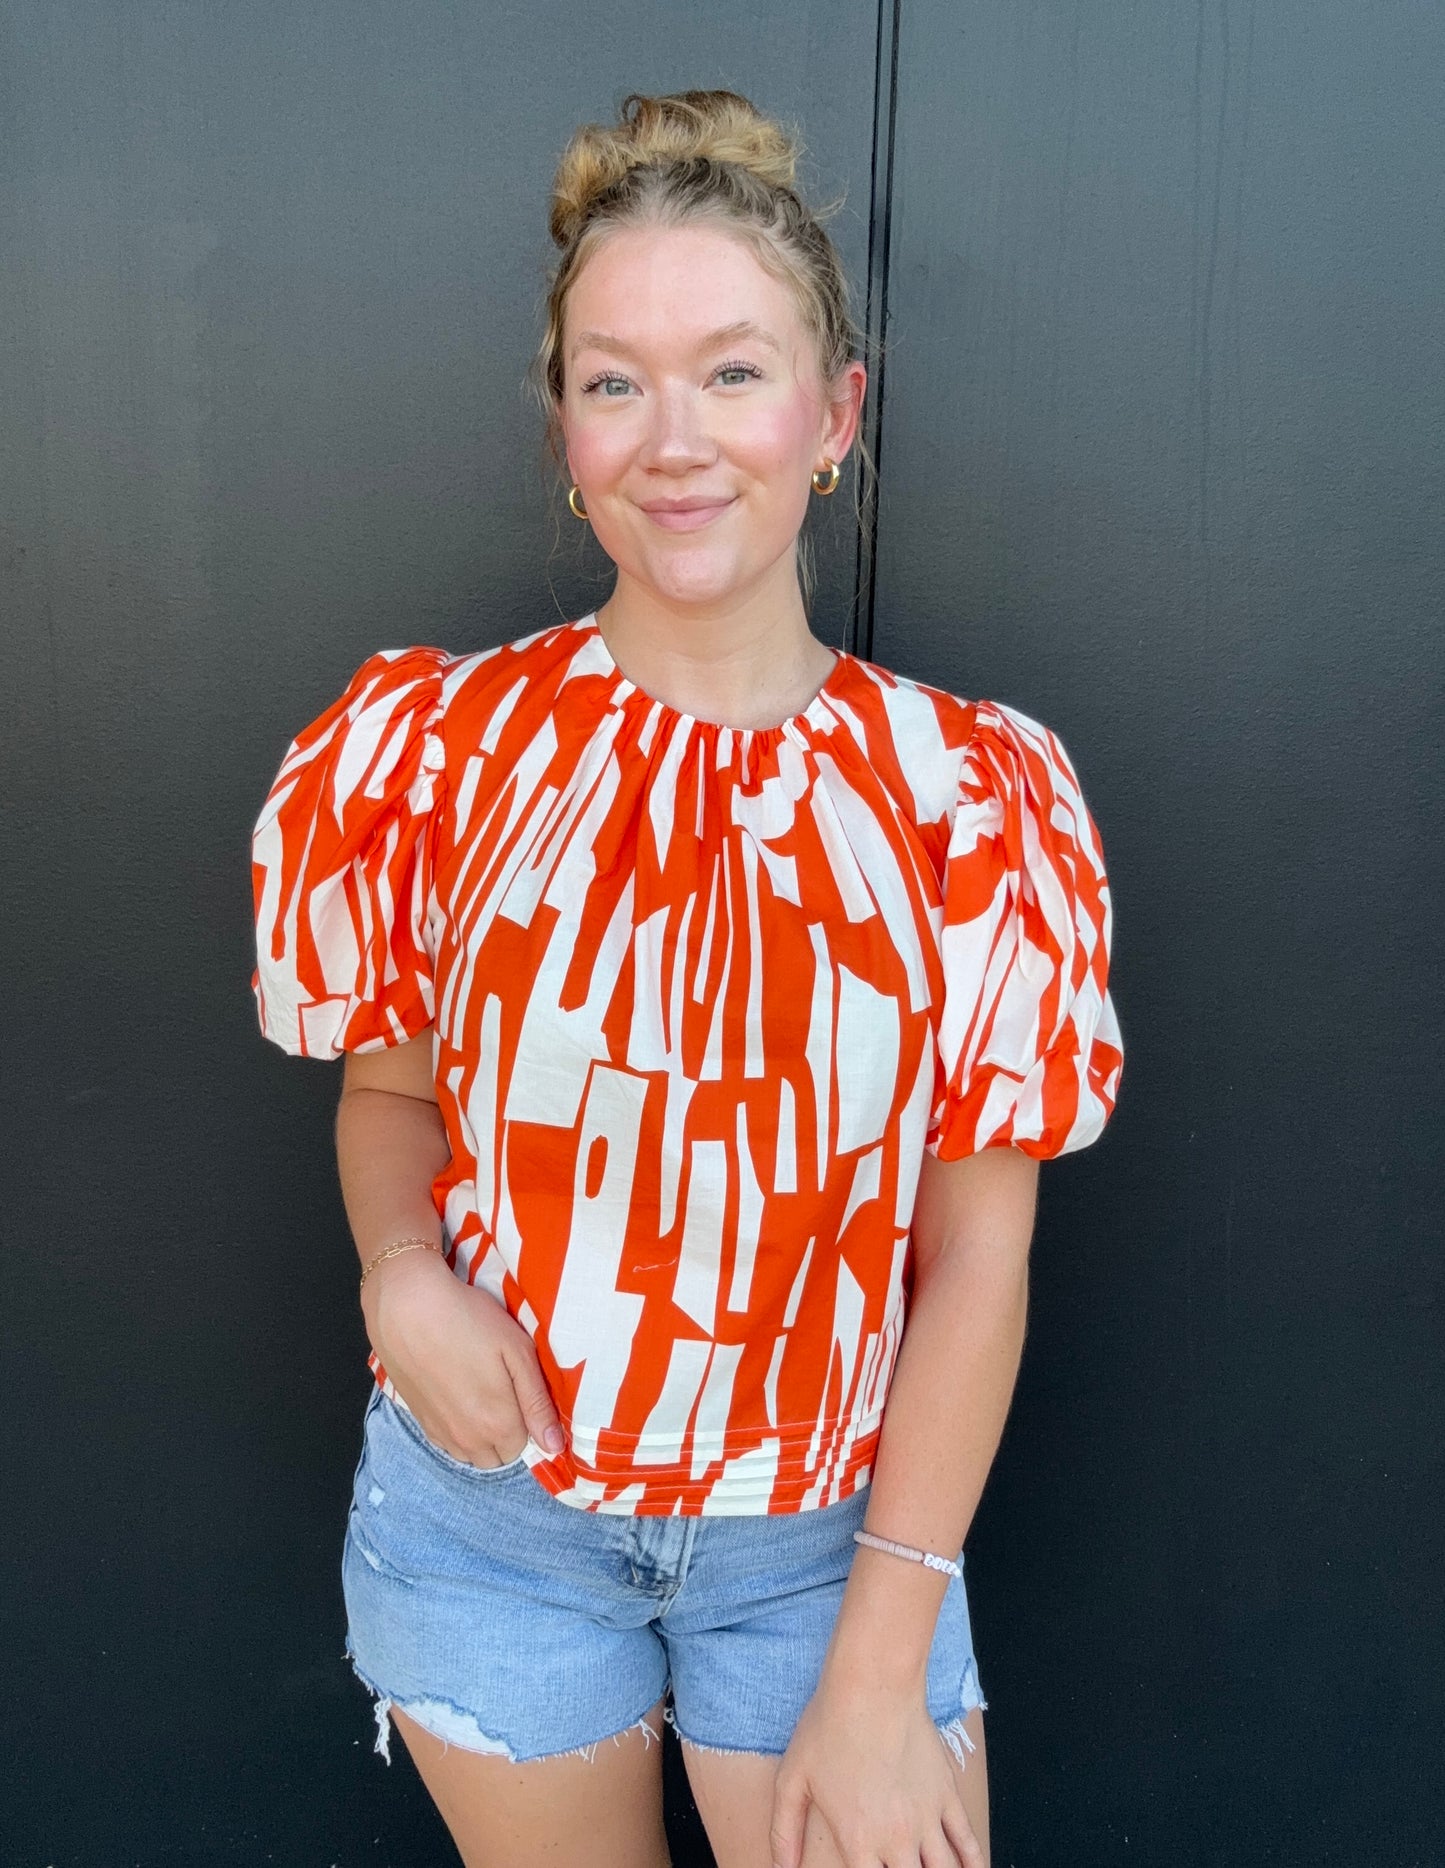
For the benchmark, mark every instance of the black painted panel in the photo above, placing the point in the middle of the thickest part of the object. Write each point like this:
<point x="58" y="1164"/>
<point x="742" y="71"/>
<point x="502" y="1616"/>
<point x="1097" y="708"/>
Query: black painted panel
<point x="1163" y="465"/>
<point x="272" y="274"/>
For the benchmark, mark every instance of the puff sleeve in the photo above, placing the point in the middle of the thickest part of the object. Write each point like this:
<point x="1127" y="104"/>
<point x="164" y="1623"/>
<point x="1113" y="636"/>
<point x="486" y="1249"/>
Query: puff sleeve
<point x="1030" y="1052"/>
<point x="342" y="863"/>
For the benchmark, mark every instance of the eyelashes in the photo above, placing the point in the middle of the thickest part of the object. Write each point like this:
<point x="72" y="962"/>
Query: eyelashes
<point x="598" y="381"/>
<point x="614" y="376"/>
<point x="749" y="369"/>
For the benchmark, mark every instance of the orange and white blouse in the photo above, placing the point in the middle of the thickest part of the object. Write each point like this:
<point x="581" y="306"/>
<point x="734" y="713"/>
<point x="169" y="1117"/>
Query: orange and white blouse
<point x="701" y="997"/>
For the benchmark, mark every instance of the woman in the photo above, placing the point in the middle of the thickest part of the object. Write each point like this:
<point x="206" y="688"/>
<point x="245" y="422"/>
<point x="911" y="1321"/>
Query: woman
<point x="708" y="1000"/>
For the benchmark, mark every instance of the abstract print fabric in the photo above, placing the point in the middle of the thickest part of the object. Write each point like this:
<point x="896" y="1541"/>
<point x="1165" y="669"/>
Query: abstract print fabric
<point x="701" y="997"/>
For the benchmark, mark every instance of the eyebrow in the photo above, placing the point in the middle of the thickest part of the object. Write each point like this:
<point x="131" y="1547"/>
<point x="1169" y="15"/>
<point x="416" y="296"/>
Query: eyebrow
<point x="725" y="333"/>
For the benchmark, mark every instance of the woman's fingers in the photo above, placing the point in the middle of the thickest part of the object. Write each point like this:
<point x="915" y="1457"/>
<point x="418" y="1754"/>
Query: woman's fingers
<point x="483" y="1448"/>
<point x="477" y="1442"/>
<point x="939" y="1852"/>
<point x="539" y="1413"/>
<point x="965" y="1843"/>
<point x="498" y="1435"/>
<point x="790" y="1813"/>
<point x="478" y="1388"/>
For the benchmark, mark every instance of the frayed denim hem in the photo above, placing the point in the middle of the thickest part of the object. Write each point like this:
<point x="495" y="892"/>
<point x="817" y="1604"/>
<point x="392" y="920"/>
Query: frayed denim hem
<point x="956" y="1737"/>
<point x="725" y="1751"/>
<point x="454" y="1725"/>
<point x="951" y="1732"/>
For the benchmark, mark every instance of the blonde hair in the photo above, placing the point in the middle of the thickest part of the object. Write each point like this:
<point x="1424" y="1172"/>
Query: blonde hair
<point x="698" y="156"/>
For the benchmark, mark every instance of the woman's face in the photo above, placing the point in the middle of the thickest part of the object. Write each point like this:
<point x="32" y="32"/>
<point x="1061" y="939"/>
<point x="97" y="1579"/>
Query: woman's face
<point x="694" y="413"/>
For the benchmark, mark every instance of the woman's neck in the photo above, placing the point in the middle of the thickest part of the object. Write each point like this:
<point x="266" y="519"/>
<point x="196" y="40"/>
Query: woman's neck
<point x="743" y="664"/>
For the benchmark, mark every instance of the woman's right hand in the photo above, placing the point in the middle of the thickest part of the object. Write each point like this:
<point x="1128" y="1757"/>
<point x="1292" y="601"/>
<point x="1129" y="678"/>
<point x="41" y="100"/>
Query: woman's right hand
<point x="465" y="1367"/>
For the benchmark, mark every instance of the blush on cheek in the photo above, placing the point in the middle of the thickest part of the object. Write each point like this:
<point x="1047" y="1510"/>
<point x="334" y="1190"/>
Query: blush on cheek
<point x="598" y="460"/>
<point x="777" y="439"/>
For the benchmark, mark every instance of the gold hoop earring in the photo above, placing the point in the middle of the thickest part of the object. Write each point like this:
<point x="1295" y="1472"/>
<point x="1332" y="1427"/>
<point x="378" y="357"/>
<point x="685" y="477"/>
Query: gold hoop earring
<point x="578" y="512"/>
<point x="820" y="473"/>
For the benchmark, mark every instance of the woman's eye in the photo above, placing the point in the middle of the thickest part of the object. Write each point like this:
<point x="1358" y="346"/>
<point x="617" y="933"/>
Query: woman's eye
<point x="604" y="383"/>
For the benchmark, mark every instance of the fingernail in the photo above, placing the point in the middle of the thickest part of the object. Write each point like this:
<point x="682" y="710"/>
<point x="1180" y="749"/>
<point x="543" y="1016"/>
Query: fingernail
<point x="553" y="1440"/>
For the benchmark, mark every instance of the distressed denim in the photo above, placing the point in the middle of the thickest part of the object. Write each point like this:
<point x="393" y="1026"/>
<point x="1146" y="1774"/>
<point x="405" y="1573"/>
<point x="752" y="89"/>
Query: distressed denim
<point x="505" y="1621"/>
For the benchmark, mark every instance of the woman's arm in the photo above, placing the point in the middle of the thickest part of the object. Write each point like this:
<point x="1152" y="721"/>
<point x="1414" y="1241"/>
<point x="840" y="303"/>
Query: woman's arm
<point x="863" y="1751"/>
<point x="949" y="1398"/>
<point x="467" y="1370"/>
<point x="391" y="1144"/>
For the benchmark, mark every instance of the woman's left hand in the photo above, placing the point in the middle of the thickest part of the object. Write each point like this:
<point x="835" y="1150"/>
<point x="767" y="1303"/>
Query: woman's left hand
<point x="872" y="1761"/>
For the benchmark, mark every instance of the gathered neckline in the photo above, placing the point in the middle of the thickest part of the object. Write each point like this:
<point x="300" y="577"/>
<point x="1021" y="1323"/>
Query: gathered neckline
<point x="814" y="714"/>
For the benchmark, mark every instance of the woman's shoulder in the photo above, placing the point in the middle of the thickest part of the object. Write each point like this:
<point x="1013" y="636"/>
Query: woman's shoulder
<point x="405" y="711"/>
<point x="914" y="731"/>
<point x="486" y="685"/>
<point x="945" y="732"/>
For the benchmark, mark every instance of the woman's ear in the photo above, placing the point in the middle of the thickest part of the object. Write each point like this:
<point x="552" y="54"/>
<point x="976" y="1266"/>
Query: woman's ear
<point x="845" y="410"/>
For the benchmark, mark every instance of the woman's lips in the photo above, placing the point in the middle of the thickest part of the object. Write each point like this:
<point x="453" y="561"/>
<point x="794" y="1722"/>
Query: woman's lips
<point x="688" y="521"/>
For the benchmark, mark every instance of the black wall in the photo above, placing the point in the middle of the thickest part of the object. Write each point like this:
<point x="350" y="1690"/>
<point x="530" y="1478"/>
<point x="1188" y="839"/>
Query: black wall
<point x="1161" y="449"/>
<point x="1164" y="465"/>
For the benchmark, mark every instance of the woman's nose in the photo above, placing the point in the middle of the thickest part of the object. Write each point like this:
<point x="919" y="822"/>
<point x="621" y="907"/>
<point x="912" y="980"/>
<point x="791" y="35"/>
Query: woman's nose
<point x="677" y="434"/>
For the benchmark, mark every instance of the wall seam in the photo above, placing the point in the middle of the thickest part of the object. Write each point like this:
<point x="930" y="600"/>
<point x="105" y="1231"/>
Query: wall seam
<point x="875" y="320"/>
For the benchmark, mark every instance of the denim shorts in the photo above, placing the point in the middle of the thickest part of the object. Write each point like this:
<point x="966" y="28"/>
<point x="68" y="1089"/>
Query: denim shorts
<point x="504" y="1621"/>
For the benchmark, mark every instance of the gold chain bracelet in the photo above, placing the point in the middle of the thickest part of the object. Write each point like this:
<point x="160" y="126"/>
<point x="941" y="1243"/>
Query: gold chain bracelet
<point x="395" y="1251"/>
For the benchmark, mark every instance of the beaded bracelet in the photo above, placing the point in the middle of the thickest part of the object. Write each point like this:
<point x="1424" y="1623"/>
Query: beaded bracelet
<point x="394" y="1251"/>
<point x="945" y="1564"/>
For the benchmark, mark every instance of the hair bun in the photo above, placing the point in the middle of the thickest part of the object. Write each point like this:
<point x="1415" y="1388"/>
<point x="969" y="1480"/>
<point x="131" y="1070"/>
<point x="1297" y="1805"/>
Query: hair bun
<point x="716" y="126"/>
